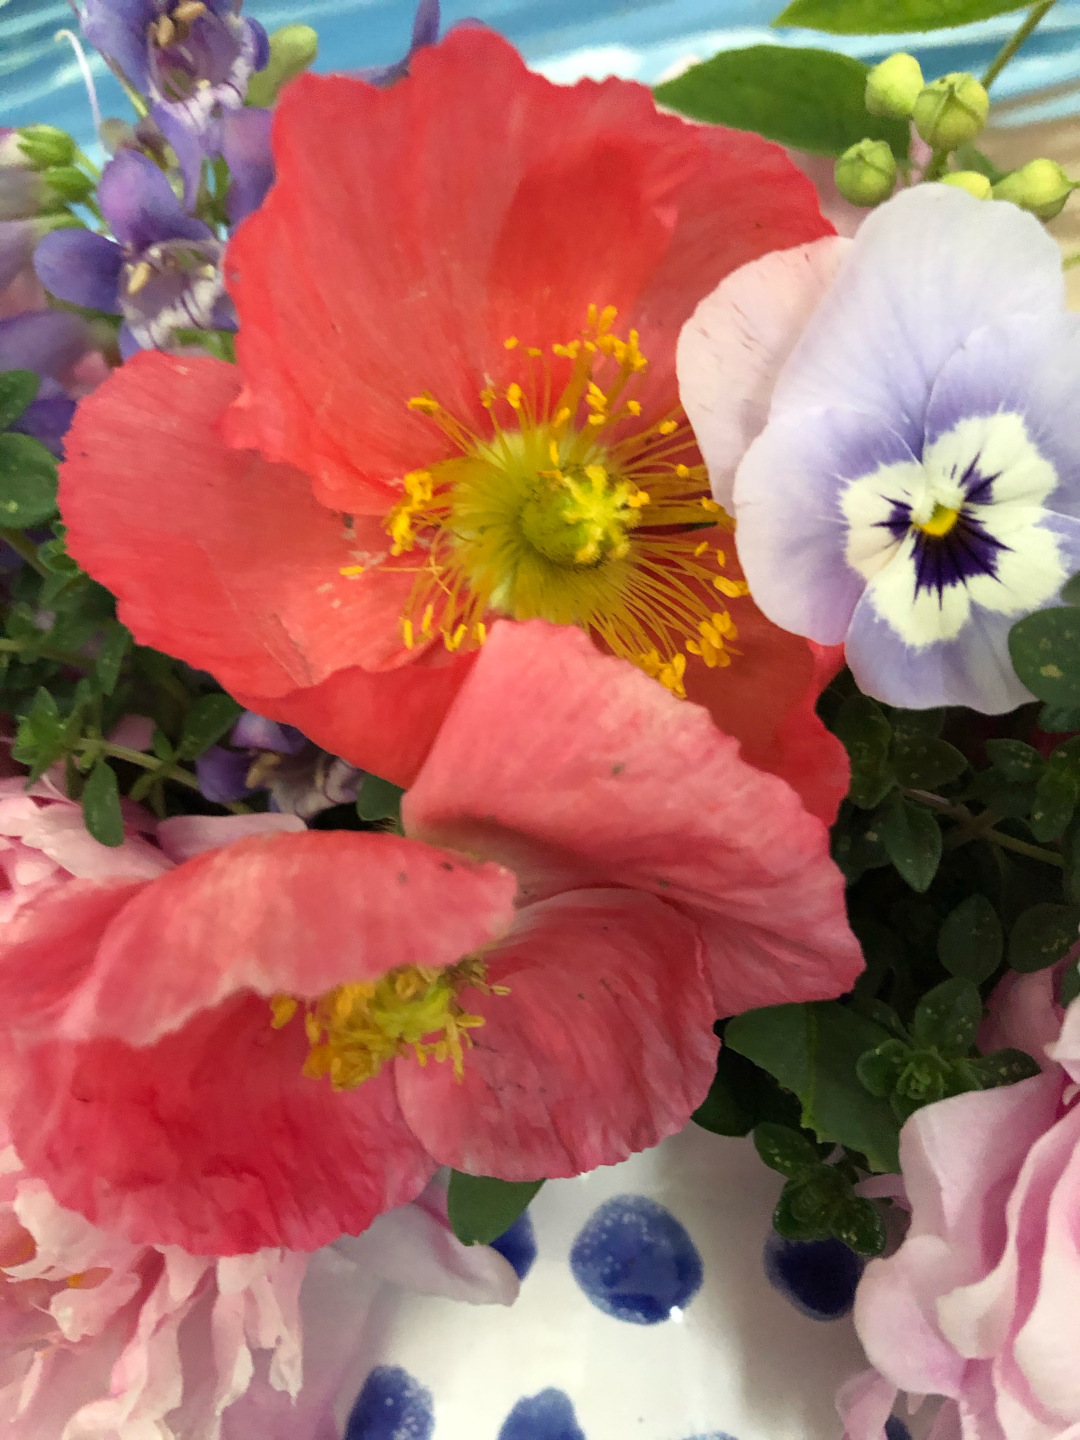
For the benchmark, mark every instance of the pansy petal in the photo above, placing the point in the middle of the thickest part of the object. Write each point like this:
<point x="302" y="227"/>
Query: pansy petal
<point x="732" y="347"/>
<point x="293" y="913"/>
<point x="603" y="1046"/>
<point x="245" y="145"/>
<point x="48" y="342"/>
<point x="140" y="206"/>
<point x="576" y="769"/>
<point x="118" y="29"/>
<point x="924" y="271"/>
<point x="81" y="268"/>
<point x="139" y="1141"/>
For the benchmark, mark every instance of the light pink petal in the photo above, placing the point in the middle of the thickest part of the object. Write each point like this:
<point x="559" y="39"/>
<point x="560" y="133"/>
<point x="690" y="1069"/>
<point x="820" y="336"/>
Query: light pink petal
<point x="184" y="836"/>
<point x="410" y="1247"/>
<point x="864" y="1403"/>
<point x="895" y="1320"/>
<point x="603" y="1046"/>
<point x="732" y="348"/>
<point x="1022" y="1013"/>
<point x="59" y="832"/>
<point x="298" y="913"/>
<point x="574" y="768"/>
<point x="1066" y="1048"/>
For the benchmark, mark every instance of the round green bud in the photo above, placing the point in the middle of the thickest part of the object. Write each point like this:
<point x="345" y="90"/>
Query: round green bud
<point x="951" y="111"/>
<point x="866" y="174"/>
<point x="292" y="49"/>
<point x="68" y="184"/>
<point x="45" y="145"/>
<point x="1040" y="186"/>
<point x="893" y="86"/>
<point x="971" y="181"/>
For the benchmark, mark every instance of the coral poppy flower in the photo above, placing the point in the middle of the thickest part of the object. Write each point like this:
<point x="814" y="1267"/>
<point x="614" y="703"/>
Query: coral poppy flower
<point x="455" y="400"/>
<point x="278" y="1039"/>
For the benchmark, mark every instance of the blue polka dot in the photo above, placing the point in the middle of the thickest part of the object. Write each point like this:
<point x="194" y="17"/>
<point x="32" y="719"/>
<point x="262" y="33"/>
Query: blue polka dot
<point x="895" y="1429"/>
<point x="635" y="1261"/>
<point x="518" y="1245"/>
<point x="714" y="1435"/>
<point x="547" y="1416"/>
<point x="391" y="1406"/>
<point x="819" y="1277"/>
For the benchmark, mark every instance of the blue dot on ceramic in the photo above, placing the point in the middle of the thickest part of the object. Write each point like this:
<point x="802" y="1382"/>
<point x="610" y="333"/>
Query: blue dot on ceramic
<point x="391" y="1406"/>
<point x="518" y="1245"/>
<point x="819" y="1277"/>
<point x="635" y="1261"/>
<point x="714" y="1435"/>
<point x="895" y="1429"/>
<point x="547" y="1416"/>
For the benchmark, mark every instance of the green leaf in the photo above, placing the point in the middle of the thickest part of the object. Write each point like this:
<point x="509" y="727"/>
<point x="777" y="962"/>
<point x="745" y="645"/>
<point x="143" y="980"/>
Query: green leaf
<point x="1056" y="795"/>
<point x="209" y="718"/>
<point x="17" y="389"/>
<point x="1059" y="719"/>
<point x="101" y="805"/>
<point x="27" y="482"/>
<point x="890" y="17"/>
<point x="811" y="99"/>
<point x="1003" y="1067"/>
<point x="784" y="1150"/>
<point x="860" y="1227"/>
<point x="912" y="839"/>
<point x="40" y="739"/>
<point x="947" y="1019"/>
<point x="1045" y="652"/>
<point x="970" y="942"/>
<point x="481" y="1209"/>
<point x="924" y="763"/>
<point x="724" y="1111"/>
<point x="813" y="1050"/>
<point x="1070" y="591"/>
<point x="110" y="657"/>
<point x="866" y="735"/>
<point x="799" y="1213"/>
<point x="1015" y="760"/>
<point x="1042" y="935"/>
<point x="379" y="800"/>
<point x="879" y="1069"/>
<point x="916" y="724"/>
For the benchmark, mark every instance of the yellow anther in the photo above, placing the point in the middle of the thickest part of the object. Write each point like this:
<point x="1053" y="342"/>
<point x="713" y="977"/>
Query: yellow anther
<point x="553" y="452"/>
<point x="188" y="10"/>
<point x="731" y="588"/>
<point x="513" y="396"/>
<point x="668" y="427"/>
<point x="407" y="633"/>
<point x="511" y="342"/>
<point x="426" y="404"/>
<point x="283" y="1008"/>
<point x="427" y="623"/>
<point x="711" y="506"/>
<point x="598" y="419"/>
<point x="700" y="549"/>
<point x="351" y="571"/>
<point x="480" y="631"/>
<point x="534" y="352"/>
<point x="639" y="500"/>
<point x="682" y="471"/>
<point x="634" y="406"/>
<point x="597" y="474"/>
<point x="721" y="558"/>
<point x="562" y="416"/>
<point x="139" y="277"/>
<point x="608" y="317"/>
<point x="453" y="641"/>
<point x="487" y="398"/>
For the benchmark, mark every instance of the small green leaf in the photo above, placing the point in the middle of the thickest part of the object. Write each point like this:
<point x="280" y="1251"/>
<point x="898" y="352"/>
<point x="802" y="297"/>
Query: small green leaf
<point x="1003" y="1067"/>
<point x="379" y="799"/>
<point x="40" y="738"/>
<point x="1056" y="795"/>
<point x="890" y="17"/>
<point x="27" y="482"/>
<point x="724" y="1111"/>
<point x="799" y="1214"/>
<point x="1059" y="719"/>
<point x="971" y="941"/>
<point x="101" y="805"/>
<point x="811" y="99"/>
<point x="162" y="747"/>
<point x="879" y="1069"/>
<point x="209" y="718"/>
<point x="866" y="735"/>
<point x="924" y="763"/>
<point x="917" y="724"/>
<point x="1070" y="591"/>
<point x="481" y="1209"/>
<point x="1042" y="935"/>
<point x="784" y="1150"/>
<point x="17" y="389"/>
<point x="1018" y="762"/>
<point x="947" y="1019"/>
<point x="110" y="657"/>
<point x="860" y="1227"/>
<point x="1045" y="651"/>
<point x="912" y="839"/>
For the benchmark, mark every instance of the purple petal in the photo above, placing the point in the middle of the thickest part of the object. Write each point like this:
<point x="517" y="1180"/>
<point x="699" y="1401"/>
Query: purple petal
<point x="48" y="342"/>
<point x="262" y="44"/>
<point x="126" y="342"/>
<point x="223" y="774"/>
<point x="138" y="202"/>
<point x="47" y="420"/>
<point x="17" y="241"/>
<point x="176" y="284"/>
<point x="118" y="29"/>
<point x="81" y="268"/>
<point x="188" y="143"/>
<point x="255" y="732"/>
<point x="425" y="25"/>
<point x="246" y="148"/>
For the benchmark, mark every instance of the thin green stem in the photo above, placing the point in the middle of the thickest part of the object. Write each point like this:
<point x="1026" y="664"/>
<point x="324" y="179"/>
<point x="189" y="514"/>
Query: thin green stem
<point x="168" y="769"/>
<point x="23" y="546"/>
<point x="45" y="652"/>
<point x="1033" y="18"/>
<point x="972" y="829"/>
<point x="1070" y="261"/>
<point x="936" y="165"/>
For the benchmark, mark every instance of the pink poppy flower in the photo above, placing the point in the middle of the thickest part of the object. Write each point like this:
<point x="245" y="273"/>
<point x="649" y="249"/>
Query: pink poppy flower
<point x="978" y="1305"/>
<point x="629" y="878"/>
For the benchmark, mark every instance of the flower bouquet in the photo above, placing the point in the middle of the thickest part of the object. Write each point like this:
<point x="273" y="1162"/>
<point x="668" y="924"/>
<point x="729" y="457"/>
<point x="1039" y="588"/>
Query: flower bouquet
<point x="529" y="626"/>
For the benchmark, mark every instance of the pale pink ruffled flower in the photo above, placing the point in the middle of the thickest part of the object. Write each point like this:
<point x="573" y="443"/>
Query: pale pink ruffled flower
<point x="979" y="1303"/>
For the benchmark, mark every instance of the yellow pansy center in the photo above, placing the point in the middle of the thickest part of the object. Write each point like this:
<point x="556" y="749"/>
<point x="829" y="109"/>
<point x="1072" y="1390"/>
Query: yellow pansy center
<point x="941" y="521"/>
<point x="568" y="510"/>
<point x="354" y="1029"/>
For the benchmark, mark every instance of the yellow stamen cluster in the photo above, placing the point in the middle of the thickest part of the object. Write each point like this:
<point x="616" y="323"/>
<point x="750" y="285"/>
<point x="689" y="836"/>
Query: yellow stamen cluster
<point x="570" y="512"/>
<point x="941" y="521"/>
<point x="354" y="1029"/>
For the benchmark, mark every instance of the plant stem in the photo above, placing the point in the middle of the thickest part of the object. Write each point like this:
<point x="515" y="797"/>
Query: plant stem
<point x="1033" y="18"/>
<point x="971" y="829"/>
<point x="170" y="771"/>
<point x="45" y="652"/>
<point x="24" y="547"/>
<point x="936" y="165"/>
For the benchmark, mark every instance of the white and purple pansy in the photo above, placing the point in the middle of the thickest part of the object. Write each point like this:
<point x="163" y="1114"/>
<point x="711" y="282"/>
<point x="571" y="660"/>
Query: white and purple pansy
<point x="895" y="423"/>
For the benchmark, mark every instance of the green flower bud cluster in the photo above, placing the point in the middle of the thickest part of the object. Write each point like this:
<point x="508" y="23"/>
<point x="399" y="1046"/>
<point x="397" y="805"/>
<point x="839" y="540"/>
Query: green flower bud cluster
<point x="1040" y="186"/>
<point x="292" y="49"/>
<point x="43" y="146"/>
<point x="866" y="173"/>
<point x="951" y="111"/>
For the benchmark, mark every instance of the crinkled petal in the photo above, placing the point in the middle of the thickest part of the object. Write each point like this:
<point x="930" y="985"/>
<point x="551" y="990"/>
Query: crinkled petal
<point x="732" y="347"/>
<point x="576" y="769"/>
<point x="81" y="268"/>
<point x="603" y="1046"/>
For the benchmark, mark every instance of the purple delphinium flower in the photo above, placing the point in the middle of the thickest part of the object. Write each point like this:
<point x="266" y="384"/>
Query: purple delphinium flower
<point x="915" y="489"/>
<point x="193" y="60"/>
<point x="49" y="342"/>
<point x="301" y="779"/>
<point x="425" y="31"/>
<point x="162" y="272"/>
